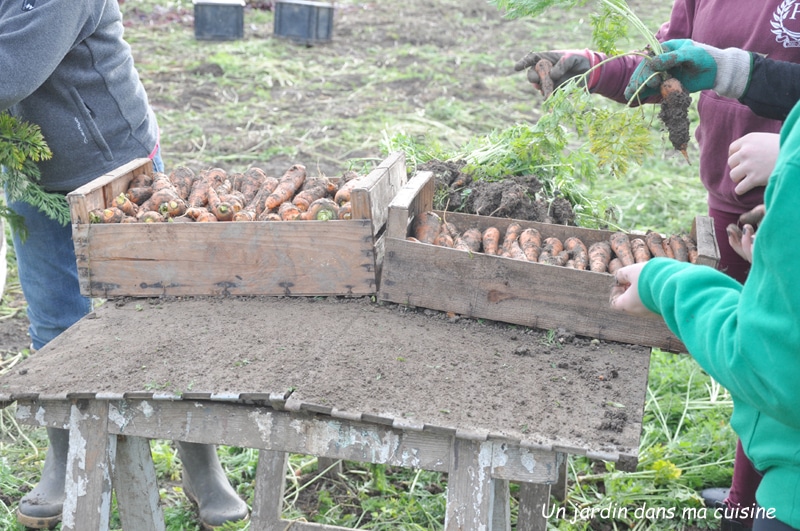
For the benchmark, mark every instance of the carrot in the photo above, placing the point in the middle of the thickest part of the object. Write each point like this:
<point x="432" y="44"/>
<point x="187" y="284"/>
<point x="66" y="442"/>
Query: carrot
<point x="161" y="182"/>
<point x="269" y="216"/>
<point x="222" y="211"/>
<point x="129" y="219"/>
<point x="206" y="217"/>
<point x="511" y="237"/>
<point x="679" y="249"/>
<point x="599" y="256"/>
<point x="312" y="190"/>
<point x="490" y="240"/>
<point x="249" y="183"/>
<point x="106" y="215"/>
<point x="346" y="210"/>
<point x="614" y="265"/>
<point x="182" y="179"/>
<point x="323" y="209"/>
<point x="195" y="212"/>
<point x="621" y="245"/>
<point x="253" y="209"/>
<point x="141" y="180"/>
<point x="151" y="216"/>
<point x="552" y="245"/>
<point x="139" y="194"/>
<point x="640" y="251"/>
<point x="288" y="211"/>
<point x="579" y="255"/>
<point x="530" y="240"/>
<point x="289" y="183"/>
<point x="668" y="252"/>
<point x="559" y="259"/>
<point x="674" y="113"/>
<point x="654" y="243"/>
<point x="198" y="195"/>
<point x="543" y="68"/>
<point x="163" y="195"/>
<point x="172" y="208"/>
<point x="350" y="181"/>
<point x="214" y="176"/>
<point x="691" y="247"/>
<point x="234" y="198"/>
<point x="126" y="205"/>
<point x="443" y="239"/>
<point x="426" y="227"/>
<point x="469" y="240"/>
<point x="244" y="215"/>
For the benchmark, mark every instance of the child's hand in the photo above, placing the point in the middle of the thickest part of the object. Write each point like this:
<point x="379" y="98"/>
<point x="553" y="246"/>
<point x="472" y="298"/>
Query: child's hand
<point x="625" y="293"/>
<point x="752" y="159"/>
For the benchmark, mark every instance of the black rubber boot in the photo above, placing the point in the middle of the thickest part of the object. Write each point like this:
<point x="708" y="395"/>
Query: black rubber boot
<point x="41" y="508"/>
<point x="207" y="486"/>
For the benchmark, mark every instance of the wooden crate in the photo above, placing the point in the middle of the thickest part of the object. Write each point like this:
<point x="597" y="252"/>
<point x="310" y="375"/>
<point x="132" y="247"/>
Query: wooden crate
<point x="308" y="258"/>
<point x="509" y="290"/>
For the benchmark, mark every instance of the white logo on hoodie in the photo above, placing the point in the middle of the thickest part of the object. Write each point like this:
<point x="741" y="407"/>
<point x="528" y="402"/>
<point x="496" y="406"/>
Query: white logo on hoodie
<point x="788" y="10"/>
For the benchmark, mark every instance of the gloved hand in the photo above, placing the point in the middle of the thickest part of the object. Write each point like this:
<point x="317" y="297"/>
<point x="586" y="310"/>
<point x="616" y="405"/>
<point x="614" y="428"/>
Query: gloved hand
<point x="566" y="65"/>
<point x="697" y="66"/>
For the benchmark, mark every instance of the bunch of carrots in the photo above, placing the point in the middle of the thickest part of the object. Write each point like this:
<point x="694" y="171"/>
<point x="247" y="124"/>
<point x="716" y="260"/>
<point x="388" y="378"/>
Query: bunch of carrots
<point x="605" y="256"/>
<point x="215" y="195"/>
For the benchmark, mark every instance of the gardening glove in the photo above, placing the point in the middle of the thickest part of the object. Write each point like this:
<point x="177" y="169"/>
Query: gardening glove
<point x="697" y="66"/>
<point x="566" y="65"/>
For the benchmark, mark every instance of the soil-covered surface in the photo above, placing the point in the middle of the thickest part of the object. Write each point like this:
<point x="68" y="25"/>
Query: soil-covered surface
<point x="350" y="354"/>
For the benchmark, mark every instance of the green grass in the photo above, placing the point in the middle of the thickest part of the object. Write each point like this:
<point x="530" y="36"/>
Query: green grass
<point x="272" y="101"/>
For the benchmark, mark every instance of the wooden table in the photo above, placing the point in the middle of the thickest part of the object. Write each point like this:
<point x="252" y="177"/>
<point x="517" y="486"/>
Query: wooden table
<point x="102" y="380"/>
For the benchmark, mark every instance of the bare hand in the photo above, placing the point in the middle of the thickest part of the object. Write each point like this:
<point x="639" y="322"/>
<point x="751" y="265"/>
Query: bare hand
<point x="741" y="240"/>
<point x="625" y="293"/>
<point x="752" y="159"/>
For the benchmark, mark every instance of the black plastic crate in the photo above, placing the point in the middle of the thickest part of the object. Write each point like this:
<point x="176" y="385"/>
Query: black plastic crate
<point x="218" y="20"/>
<point x="304" y="22"/>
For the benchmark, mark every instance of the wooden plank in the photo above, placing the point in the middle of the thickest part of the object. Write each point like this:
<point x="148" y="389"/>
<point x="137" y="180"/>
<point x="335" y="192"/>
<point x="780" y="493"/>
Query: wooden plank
<point x="269" y="489"/>
<point x="415" y="197"/>
<point x="371" y="198"/>
<point x="136" y="486"/>
<point x="43" y="413"/>
<point x="99" y="192"/>
<point x="707" y="245"/>
<point x="92" y="451"/>
<point x="533" y="501"/>
<point x="512" y="291"/>
<point x="158" y="259"/>
<point x="470" y="489"/>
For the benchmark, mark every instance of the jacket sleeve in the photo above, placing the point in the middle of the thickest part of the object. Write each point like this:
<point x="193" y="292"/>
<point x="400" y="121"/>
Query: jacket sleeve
<point x="33" y="43"/>
<point x="774" y="87"/>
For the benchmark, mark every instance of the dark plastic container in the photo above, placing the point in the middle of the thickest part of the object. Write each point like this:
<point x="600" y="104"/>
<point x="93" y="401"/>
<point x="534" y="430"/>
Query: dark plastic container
<point x="304" y="22"/>
<point x="218" y="20"/>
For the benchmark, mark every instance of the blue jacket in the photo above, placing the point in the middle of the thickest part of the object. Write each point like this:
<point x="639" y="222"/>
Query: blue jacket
<point x="65" y="67"/>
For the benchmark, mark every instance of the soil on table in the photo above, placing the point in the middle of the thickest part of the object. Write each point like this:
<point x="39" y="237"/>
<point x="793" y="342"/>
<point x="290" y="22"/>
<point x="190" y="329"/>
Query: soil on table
<point x="384" y="360"/>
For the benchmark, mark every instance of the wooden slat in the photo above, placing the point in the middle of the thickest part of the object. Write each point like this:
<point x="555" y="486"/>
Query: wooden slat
<point x="257" y="258"/>
<point x="136" y="486"/>
<point x="513" y="291"/>
<point x="415" y="197"/>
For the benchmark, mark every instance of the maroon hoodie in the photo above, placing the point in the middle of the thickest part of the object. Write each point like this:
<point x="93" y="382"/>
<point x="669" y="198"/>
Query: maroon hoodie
<point x="769" y="27"/>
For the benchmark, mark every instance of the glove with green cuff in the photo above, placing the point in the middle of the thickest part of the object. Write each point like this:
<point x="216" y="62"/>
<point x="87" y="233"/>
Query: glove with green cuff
<point x="697" y="66"/>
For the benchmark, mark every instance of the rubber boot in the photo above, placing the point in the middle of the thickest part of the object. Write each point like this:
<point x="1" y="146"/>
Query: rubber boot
<point x="207" y="486"/>
<point x="41" y="508"/>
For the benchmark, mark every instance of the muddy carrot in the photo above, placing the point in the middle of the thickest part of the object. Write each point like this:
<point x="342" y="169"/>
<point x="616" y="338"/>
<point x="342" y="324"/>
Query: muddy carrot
<point x="614" y="265"/>
<point x="182" y="179"/>
<point x="654" y="243"/>
<point x="621" y="245"/>
<point x="311" y="191"/>
<point x="469" y="240"/>
<point x="151" y="216"/>
<point x="599" y="256"/>
<point x="288" y="184"/>
<point x="490" y="240"/>
<point x="640" y="251"/>
<point x="198" y="195"/>
<point x="126" y="205"/>
<point x="221" y="210"/>
<point x="153" y="203"/>
<point x="511" y="237"/>
<point x="543" y="68"/>
<point x="206" y="217"/>
<point x="530" y="241"/>
<point x="345" y="190"/>
<point x="674" y="113"/>
<point x="578" y="253"/>
<point x="288" y="211"/>
<point x="553" y="246"/>
<point x="141" y="180"/>
<point x="679" y="249"/>
<point x="322" y="209"/>
<point x="346" y="210"/>
<point x="139" y="194"/>
<point x="668" y="252"/>
<point x="426" y="227"/>
<point x="691" y="247"/>
<point x="106" y="215"/>
<point x="249" y="183"/>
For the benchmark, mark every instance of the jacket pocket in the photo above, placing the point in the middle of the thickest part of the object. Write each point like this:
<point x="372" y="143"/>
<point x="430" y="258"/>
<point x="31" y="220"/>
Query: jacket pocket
<point x="87" y="126"/>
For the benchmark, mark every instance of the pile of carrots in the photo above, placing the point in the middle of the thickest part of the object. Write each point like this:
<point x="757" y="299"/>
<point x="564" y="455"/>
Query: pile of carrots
<point x="215" y="195"/>
<point x="605" y="256"/>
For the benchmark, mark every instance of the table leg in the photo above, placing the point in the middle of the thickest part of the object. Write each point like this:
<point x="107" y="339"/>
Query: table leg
<point x="470" y="488"/>
<point x="268" y="495"/>
<point x="136" y="485"/>
<point x="87" y="504"/>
